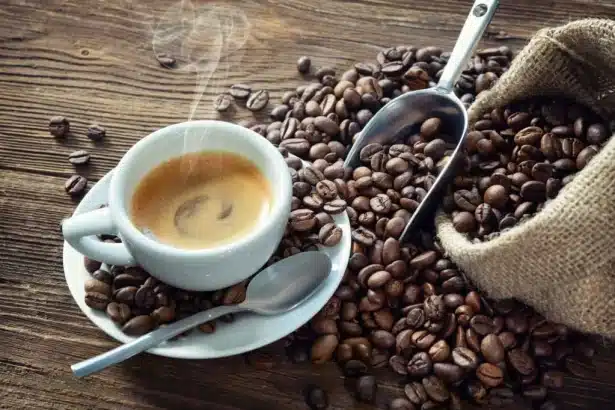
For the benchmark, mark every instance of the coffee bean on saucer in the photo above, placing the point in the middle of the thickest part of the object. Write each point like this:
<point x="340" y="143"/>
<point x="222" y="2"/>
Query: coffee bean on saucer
<point x="330" y="234"/>
<point x="80" y="157"/>
<point x="145" y="298"/>
<point x="257" y="100"/>
<point x="103" y="276"/>
<point x="98" y="301"/>
<point x="223" y="102"/>
<point x="120" y="313"/>
<point x="97" y="286"/>
<point x="59" y="126"/>
<point x="138" y="325"/>
<point x="303" y="64"/>
<point x="96" y="132"/>
<point x="91" y="265"/>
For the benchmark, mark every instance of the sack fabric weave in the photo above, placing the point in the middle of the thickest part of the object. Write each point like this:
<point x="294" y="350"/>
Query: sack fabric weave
<point x="562" y="261"/>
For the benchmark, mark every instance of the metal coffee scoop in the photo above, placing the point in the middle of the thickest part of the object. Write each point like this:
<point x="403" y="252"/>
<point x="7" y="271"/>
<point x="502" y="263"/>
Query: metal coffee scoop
<point x="403" y="115"/>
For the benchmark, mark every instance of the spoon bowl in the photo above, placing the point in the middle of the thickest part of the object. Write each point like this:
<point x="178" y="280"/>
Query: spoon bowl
<point x="285" y="284"/>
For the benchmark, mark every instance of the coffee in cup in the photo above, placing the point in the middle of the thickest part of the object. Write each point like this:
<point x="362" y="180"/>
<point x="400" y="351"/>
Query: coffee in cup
<point x="210" y="231"/>
<point x="201" y="200"/>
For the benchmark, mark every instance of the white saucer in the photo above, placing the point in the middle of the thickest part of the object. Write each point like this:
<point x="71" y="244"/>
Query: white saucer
<point x="246" y="333"/>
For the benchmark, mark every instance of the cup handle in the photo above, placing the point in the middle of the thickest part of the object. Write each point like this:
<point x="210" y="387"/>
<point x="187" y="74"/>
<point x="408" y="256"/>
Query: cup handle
<point x="79" y="232"/>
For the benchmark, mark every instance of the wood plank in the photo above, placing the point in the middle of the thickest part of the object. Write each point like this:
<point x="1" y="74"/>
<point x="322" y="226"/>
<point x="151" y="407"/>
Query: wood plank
<point x="93" y="62"/>
<point x="107" y="73"/>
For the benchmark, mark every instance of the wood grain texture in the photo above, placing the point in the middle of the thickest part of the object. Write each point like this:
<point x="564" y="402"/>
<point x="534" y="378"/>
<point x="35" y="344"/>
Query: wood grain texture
<point x="93" y="61"/>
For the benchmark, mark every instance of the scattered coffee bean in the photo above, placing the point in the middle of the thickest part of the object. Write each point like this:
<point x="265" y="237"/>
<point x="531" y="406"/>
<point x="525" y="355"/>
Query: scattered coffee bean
<point x="303" y="64"/>
<point x="366" y="388"/>
<point x="223" y="102"/>
<point x="166" y="60"/>
<point x="75" y="185"/>
<point x="240" y="91"/>
<point x="257" y="100"/>
<point x="96" y="132"/>
<point x="80" y="157"/>
<point x="59" y="126"/>
<point x="316" y="398"/>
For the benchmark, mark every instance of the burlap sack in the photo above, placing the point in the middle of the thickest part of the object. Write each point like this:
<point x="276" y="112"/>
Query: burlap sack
<point x="562" y="261"/>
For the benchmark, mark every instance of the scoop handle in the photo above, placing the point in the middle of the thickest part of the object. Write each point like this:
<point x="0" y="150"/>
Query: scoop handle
<point x="479" y="18"/>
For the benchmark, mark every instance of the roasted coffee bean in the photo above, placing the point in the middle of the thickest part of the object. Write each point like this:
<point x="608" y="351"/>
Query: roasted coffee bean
<point x="75" y="185"/>
<point x="59" y="126"/>
<point x="257" y="100"/>
<point x="145" y="298"/>
<point x="337" y="206"/>
<point x="363" y="236"/>
<point x="434" y="308"/>
<point x="91" y="265"/>
<point x="436" y="389"/>
<point x="398" y="365"/>
<point x="597" y="134"/>
<point x="366" y="388"/>
<point x="240" y="91"/>
<point x="492" y="349"/>
<point x="415" y="392"/>
<point x="464" y="222"/>
<point x="521" y="362"/>
<point x="80" y="157"/>
<point x="490" y="375"/>
<point x="97" y="286"/>
<point x="315" y="397"/>
<point x="302" y="220"/>
<point x="465" y="358"/>
<point x="420" y="365"/>
<point x="96" y="132"/>
<point x="163" y="314"/>
<point x="323" y="348"/>
<point x="448" y="372"/>
<point x="423" y="339"/>
<point x="138" y="325"/>
<point x="330" y="234"/>
<point x="120" y="313"/>
<point x="303" y="64"/>
<point x="166" y="60"/>
<point x="126" y="295"/>
<point x="103" y="276"/>
<point x="482" y="325"/>
<point x="223" y="102"/>
<point x="401" y="404"/>
<point x="98" y="301"/>
<point x="354" y="368"/>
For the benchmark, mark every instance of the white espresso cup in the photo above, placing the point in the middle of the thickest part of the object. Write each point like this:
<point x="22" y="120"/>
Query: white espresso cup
<point x="203" y="269"/>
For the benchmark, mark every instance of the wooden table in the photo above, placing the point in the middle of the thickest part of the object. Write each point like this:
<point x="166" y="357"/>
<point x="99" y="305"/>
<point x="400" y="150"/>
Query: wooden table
<point x="93" y="61"/>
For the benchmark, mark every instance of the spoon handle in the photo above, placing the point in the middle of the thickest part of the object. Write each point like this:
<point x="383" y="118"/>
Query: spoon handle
<point x="152" y="339"/>
<point x="479" y="18"/>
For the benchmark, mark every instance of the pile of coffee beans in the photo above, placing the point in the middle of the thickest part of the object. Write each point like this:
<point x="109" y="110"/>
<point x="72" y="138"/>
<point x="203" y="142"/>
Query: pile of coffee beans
<point x="411" y="309"/>
<point x="402" y="306"/>
<point x="138" y="302"/>
<point x="518" y="158"/>
<point x="254" y="100"/>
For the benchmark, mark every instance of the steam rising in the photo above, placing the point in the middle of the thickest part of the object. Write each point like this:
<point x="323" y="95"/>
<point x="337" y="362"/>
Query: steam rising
<point x="202" y="39"/>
